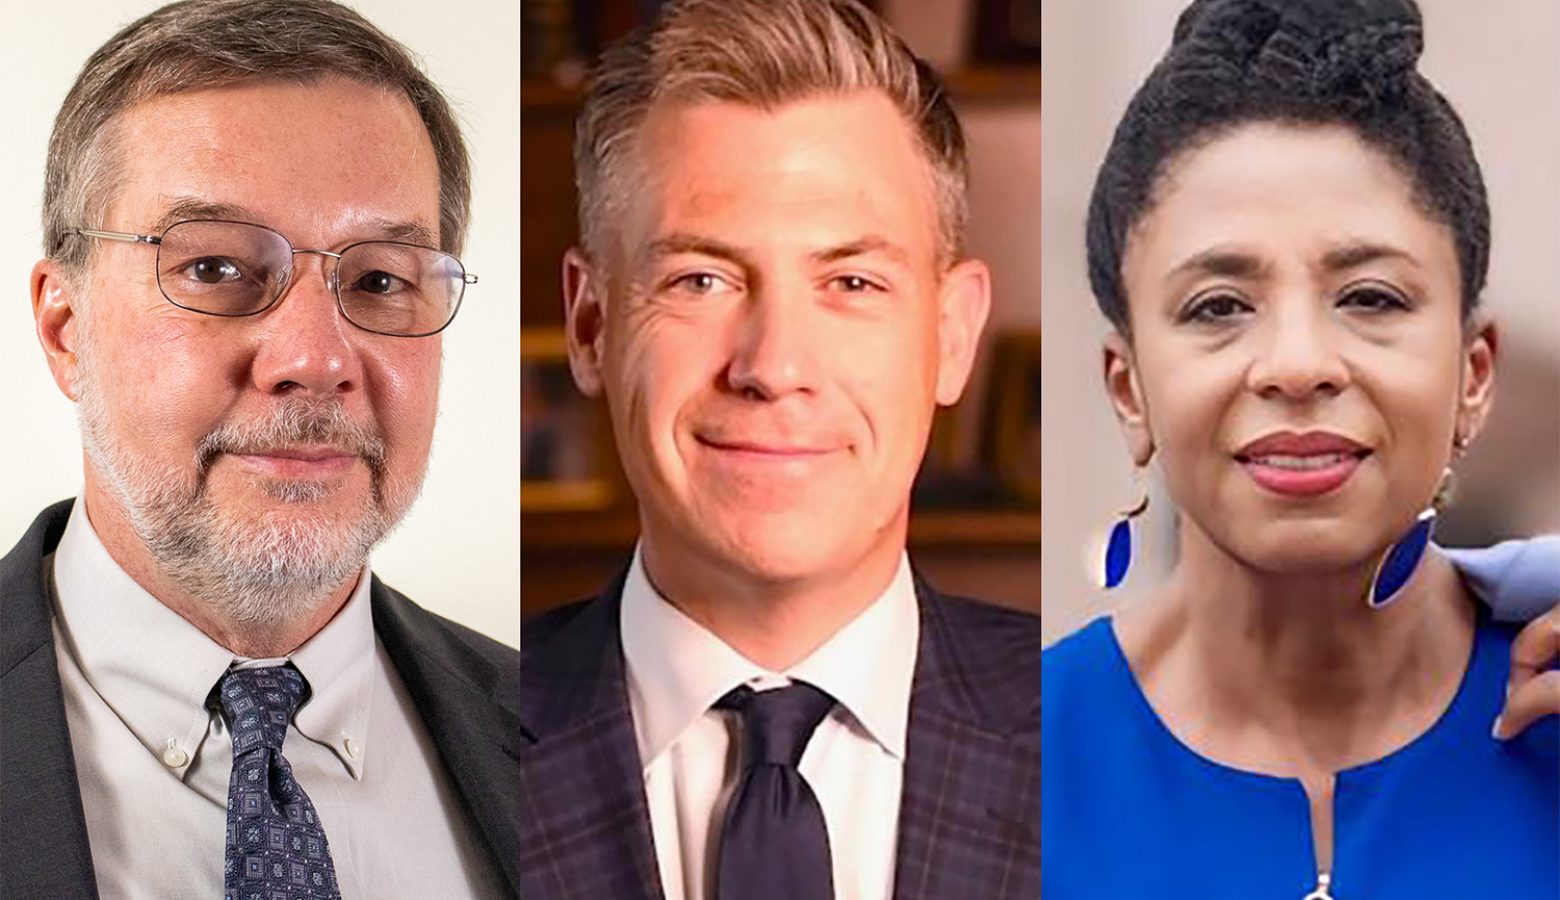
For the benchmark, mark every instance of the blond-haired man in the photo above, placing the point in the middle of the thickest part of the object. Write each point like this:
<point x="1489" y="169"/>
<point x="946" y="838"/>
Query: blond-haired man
<point x="772" y="294"/>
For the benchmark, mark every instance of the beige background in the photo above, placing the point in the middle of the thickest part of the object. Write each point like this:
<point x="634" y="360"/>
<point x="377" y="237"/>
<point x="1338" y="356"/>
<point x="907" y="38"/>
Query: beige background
<point x="457" y="553"/>
<point x="1502" y="75"/>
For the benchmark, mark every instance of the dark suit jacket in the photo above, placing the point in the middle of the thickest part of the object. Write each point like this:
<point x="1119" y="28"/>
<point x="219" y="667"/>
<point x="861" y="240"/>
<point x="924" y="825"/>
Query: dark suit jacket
<point x="969" y="823"/>
<point x="463" y="684"/>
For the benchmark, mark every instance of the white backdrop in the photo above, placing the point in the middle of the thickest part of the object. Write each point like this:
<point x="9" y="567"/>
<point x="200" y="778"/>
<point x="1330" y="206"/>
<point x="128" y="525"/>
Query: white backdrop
<point x="458" y="551"/>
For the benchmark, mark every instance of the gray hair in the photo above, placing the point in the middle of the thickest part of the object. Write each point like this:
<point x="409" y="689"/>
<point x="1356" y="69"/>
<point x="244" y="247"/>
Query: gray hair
<point x="762" y="53"/>
<point x="197" y="44"/>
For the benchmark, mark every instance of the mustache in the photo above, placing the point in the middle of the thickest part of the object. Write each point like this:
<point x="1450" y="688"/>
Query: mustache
<point x="290" y="424"/>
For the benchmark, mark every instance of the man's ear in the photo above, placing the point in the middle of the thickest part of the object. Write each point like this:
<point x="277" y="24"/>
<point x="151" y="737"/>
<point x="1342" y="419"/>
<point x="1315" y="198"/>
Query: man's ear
<point x="1477" y="397"/>
<point x="56" y="320"/>
<point x="1126" y="397"/>
<point x="584" y="316"/>
<point x="964" y="302"/>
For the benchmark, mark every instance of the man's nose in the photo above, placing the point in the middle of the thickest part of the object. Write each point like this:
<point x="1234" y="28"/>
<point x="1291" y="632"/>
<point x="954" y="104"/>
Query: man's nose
<point x="306" y="345"/>
<point x="773" y="356"/>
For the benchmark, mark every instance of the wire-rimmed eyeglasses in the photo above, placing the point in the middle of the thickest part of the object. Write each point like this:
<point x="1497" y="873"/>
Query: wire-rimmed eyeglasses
<point x="224" y="268"/>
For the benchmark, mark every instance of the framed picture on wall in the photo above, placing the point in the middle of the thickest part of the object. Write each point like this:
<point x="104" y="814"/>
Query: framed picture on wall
<point x="1013" y="413"/>
<point x="565" y="439"/>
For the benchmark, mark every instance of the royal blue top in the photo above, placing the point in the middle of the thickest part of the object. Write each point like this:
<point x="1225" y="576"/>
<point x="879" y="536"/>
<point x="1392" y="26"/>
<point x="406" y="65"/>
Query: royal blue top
<point x="1131" y="813"/>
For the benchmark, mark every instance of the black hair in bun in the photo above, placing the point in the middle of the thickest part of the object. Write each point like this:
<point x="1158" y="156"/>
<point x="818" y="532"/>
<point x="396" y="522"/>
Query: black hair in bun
<point x="1354" y="52"/>
<point x="1345" y="62"/>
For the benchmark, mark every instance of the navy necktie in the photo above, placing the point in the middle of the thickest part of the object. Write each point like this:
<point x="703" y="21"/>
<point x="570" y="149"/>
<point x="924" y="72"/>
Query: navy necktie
<point x="276" y="847"/>
<point x="775" y="845"/>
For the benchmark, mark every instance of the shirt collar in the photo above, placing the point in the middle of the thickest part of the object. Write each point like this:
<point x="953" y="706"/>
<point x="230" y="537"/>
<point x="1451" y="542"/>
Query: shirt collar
<point x="677" y="669"/>
<point x="155" y="670"/>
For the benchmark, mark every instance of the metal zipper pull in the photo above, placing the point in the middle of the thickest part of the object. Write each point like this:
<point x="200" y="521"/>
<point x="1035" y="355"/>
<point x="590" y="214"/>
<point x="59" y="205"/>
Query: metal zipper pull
<point x="1323" y="880"/>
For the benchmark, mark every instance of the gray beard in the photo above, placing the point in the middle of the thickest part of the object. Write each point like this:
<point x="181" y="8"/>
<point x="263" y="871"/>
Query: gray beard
<point x="256" y="573"/>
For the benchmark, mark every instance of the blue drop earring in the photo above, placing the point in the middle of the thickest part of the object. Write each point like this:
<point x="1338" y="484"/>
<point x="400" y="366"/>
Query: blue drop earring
<point x="1397" y="567"/>
<point x="1114" y="557"/>
<point x="1401" y="561"/>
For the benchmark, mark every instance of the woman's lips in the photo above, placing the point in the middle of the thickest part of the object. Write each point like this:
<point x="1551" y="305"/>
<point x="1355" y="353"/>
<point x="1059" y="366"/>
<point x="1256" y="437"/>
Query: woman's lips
<point x="1302" y="476"/>
<point x="1302" y="465"/>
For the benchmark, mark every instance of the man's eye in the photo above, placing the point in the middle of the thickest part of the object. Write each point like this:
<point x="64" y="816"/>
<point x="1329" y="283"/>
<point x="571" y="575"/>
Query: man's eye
<point x="213" y="270"/>
<point x="700" y="283"/>
<point x="855" y="284"/>
<point x="1215" y="308"/>
<point x="379" y="283"/>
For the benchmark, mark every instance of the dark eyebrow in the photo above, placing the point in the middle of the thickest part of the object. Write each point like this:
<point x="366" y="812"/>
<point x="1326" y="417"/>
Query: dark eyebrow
<point x="1237" y="264"/>
<point x="1222" y="262"/>
<point x="1352" y="256"/>
<point x="185" y="208"/>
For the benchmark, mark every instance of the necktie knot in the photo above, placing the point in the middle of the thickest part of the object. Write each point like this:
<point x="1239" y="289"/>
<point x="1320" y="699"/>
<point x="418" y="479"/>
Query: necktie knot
<point x="777" y="724"/>
<point x="775" y="844"/>
<point x="276" y="846"/>
<point x="259" y="703"/>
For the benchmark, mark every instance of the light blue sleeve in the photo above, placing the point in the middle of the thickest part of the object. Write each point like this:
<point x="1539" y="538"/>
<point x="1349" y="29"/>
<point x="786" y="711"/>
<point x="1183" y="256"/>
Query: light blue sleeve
<point x="1520" y="580"/>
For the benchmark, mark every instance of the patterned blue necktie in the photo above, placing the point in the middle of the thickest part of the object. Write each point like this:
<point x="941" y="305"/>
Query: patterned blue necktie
<point x="276" y="847"/>
<point x="775" y="845"/>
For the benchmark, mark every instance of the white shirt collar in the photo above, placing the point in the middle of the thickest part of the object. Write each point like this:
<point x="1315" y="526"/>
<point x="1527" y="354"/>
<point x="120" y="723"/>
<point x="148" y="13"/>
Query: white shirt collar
<point x="155" y="669"/>
<point x="677" y="669"/>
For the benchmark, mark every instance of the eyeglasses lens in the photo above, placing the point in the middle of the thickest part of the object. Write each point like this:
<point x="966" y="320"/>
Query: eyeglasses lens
<point x="222" y="268"/>
<point x="234" y="269"/>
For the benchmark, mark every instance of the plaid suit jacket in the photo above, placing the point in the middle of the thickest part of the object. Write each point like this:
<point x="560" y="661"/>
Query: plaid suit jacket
<point x="969" y="822"/>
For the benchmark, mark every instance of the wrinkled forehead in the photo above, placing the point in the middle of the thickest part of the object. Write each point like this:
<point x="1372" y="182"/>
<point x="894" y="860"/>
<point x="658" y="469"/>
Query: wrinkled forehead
<point x="848" y="163"/>
<point x="326" y="158"/>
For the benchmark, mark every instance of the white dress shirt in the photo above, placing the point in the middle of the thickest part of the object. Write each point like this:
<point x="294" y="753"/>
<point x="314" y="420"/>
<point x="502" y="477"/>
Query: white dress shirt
<point x="677" y="670"/>
<point x="154" y="761"/>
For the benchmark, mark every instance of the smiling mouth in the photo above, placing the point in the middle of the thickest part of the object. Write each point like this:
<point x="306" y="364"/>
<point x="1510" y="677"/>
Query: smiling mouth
<point x="1307" y="475"/>
<point x="1304" y="463"/>
<point x="311" y="462"/>
<point x="764" y="451"/>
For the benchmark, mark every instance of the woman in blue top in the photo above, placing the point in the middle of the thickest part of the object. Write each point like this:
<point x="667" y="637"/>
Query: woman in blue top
<point x="1290" y="235"/>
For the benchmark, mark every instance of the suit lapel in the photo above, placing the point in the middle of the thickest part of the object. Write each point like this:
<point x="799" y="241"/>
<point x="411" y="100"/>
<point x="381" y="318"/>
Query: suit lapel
<point x="585" y="822"/>
<point x="44" y="851"/>
<point x="465" y="689"/>
<point x="969" y="823"/>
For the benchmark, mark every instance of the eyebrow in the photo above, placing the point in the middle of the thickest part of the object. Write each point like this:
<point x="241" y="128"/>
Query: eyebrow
<point x="1221" y="262"/>
<point x="186" y="208"/>
<point x="1354" y="255"/>
<point x="863" y="246"/>
<point x="673" y="244"/>
<point x="1232" y="263"/>
<point x="680" y="242"/>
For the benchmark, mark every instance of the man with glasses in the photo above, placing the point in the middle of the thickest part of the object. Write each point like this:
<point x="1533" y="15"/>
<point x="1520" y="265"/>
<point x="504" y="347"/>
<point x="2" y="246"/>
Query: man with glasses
<point x="252" y="217"/>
